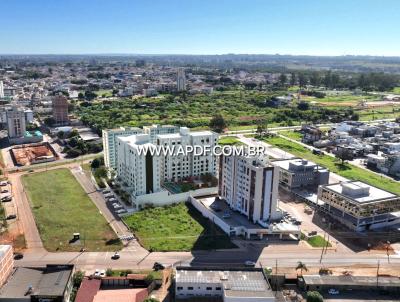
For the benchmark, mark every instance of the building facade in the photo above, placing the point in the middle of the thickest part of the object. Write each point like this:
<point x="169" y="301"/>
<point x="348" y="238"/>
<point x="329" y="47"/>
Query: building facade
<point x="250" y="186"/>
<point x="110" y="139"/>
<point x="360" y="206"/>
<point x="110" y="143"/>
<point x="6" y="263"/>
<point x="144" y="173"/>
<point x="16" y="125"/>
<point x="295" y="174"/>
<point x="60" y="110"/>
<point x="181" y="80"/>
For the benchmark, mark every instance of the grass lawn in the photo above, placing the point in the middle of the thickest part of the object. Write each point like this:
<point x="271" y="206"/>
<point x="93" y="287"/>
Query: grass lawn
<point x="317" y="241"/>
<point x="229" y="140"/>
<point x="292" y="134"/>
<point x="61" y="208"/>
<point x="396" y="89"/>
<point x="177" y="227"/>
<point x="346" y="170"/>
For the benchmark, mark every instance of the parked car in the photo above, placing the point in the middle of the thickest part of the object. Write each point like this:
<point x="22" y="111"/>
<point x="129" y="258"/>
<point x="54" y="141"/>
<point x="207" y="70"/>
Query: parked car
<point x="116" y="256"/>
<point x="250" y="263"/>
<point x="100" y="273"/>
<point x="333" y="291"/>
<point x="12" y="216"/>
<point x="3" y="184"/>
<point x="4" y="191"/>
<point x="226" y="216"/>
<point x="317" y="152"/>
<point x="6" y="199"/>
<point x="158" y="266"/>
<point x="18" y="256"/>
<point x="106" y="191"/>
<point x="117" y="206"/>
<point x="120" y="211"/>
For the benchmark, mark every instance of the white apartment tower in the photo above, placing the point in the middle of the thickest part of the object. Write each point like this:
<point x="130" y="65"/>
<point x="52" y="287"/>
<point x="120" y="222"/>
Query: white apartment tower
<point x="250" y="186"/>
<point x="16" y="122"/>
<point x="181" y="80"/>
<point x="1" y="90"/>
<point x="110" y="139"/>
<point x="145" y="173"/>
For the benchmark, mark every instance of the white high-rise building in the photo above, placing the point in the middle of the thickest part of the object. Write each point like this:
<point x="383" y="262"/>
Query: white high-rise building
<point x="181" y="80"/>
<point x="16" y="122"/>
<point x="110" y="143"/>
<point x="1" y="90"/>
<point x="110" y="139"/>
<point x="145" y="173"/>
<point x="250" y="186"/>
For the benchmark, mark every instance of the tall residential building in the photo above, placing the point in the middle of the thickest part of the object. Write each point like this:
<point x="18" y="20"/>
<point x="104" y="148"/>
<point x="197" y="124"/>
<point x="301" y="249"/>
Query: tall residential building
<point x="110" y="143"/>
<point x="60" y="109"/>
<point x="250" y="186"/>
<point x="145" y="173"/>
<point x="16" y="122"/>
<point x="181" y="80"/>
<point x="110" y="139"/>
<point x="1" y="90"/>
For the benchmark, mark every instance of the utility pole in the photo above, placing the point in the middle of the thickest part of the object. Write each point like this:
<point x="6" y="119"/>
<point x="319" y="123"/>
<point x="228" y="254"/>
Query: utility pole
<point x="322" y="251"/>
<point x="276" y="277"/>
<point x="377" y="275"/>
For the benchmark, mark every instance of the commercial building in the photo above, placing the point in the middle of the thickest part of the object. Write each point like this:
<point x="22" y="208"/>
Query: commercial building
<point x="52" y="283"/>
<point x="229" y="285"/>
<point x="250" y="186"/>
<point x="359" y="205"/>
<point x="295" y="174"/>
<point x="6" y="262"/>
<point x="60" y="110"/>
<point x="181" y="80"/>
<point x="110" y="139"/>
<point x="143" y="173"/>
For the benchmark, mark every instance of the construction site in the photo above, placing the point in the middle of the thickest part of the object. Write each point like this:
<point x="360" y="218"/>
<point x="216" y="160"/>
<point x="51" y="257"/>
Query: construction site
<point x="26" y="155"/>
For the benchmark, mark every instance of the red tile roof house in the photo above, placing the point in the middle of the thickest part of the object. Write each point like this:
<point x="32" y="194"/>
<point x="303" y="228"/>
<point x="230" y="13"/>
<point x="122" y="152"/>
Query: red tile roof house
<point x="132" y="288"/>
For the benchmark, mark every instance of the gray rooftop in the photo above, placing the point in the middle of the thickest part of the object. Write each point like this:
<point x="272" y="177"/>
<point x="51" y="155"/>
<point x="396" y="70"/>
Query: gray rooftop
<point x="350" y="280"/>
<point x="360" y="192"/>
<point x="47" y="281"/>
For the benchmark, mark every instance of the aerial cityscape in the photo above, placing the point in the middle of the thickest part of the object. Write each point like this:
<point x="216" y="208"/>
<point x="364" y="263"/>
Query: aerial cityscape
<point x="186" y="151"/>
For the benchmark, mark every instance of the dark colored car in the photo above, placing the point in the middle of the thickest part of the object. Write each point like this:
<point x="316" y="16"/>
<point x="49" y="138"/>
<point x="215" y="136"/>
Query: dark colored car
<point x="116" y="256"/>
<point x="13" y="216"/>
<point x="18" y="256"/>
<point x="158" y="266"/>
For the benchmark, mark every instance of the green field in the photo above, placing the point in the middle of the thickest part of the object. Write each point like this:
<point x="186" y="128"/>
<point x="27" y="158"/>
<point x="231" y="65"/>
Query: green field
<point x="229" y="140"/>
<point x="346" y="170"/>
<point x="292" y="134"/>
<point x="177" y="227"/>
<point x="318" y="241"/>
<point x="396" y="90"/>
<point x="61" y="208"/>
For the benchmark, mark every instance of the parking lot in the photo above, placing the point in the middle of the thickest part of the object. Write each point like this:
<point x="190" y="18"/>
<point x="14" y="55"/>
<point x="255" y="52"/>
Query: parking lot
<point x="7" y="201"/>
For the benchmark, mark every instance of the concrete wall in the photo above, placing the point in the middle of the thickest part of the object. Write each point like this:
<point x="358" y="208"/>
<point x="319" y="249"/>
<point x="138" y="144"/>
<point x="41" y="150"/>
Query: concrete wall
<point x="166" y="198"/>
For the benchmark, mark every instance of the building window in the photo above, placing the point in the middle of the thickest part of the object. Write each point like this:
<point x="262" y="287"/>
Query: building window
<point x="208" y="288"/>
<point x="179" y="288"/>
<point x="190" y="288"/>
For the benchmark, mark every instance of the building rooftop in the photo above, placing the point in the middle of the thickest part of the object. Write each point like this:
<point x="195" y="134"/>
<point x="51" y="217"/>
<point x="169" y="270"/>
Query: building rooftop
<point x="295" y="164"/>
<point x="350" y="280"/>
<point x="360" y="192"/>
<point x="47" y="281"/>
<point x="236" y="283"/>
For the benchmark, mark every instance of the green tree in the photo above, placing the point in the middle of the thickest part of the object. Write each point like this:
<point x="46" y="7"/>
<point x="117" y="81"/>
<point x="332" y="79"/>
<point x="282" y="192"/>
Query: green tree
<point x="151" y="300"/>
<point x="282" y="79"/>
<point x="218" y="123"/>
<point x="314" y="296"/>
<point x="302" y="267"/>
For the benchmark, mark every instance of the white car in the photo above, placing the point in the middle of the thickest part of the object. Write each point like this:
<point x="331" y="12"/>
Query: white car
<point x="333" y="291"/>
<point x="100" y="273"/>
<point x="120" y="211"/>
<point x="117" y="206"/>
<point x="250" y="263"/>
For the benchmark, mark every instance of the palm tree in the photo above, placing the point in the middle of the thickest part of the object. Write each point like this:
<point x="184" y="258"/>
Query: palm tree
<point x="301" y="266"/>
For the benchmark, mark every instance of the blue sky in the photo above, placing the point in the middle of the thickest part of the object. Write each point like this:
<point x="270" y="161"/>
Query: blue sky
<point x="312" y="27"/>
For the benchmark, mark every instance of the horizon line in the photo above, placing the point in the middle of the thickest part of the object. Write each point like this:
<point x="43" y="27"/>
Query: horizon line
<point x="189" y="54"/>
